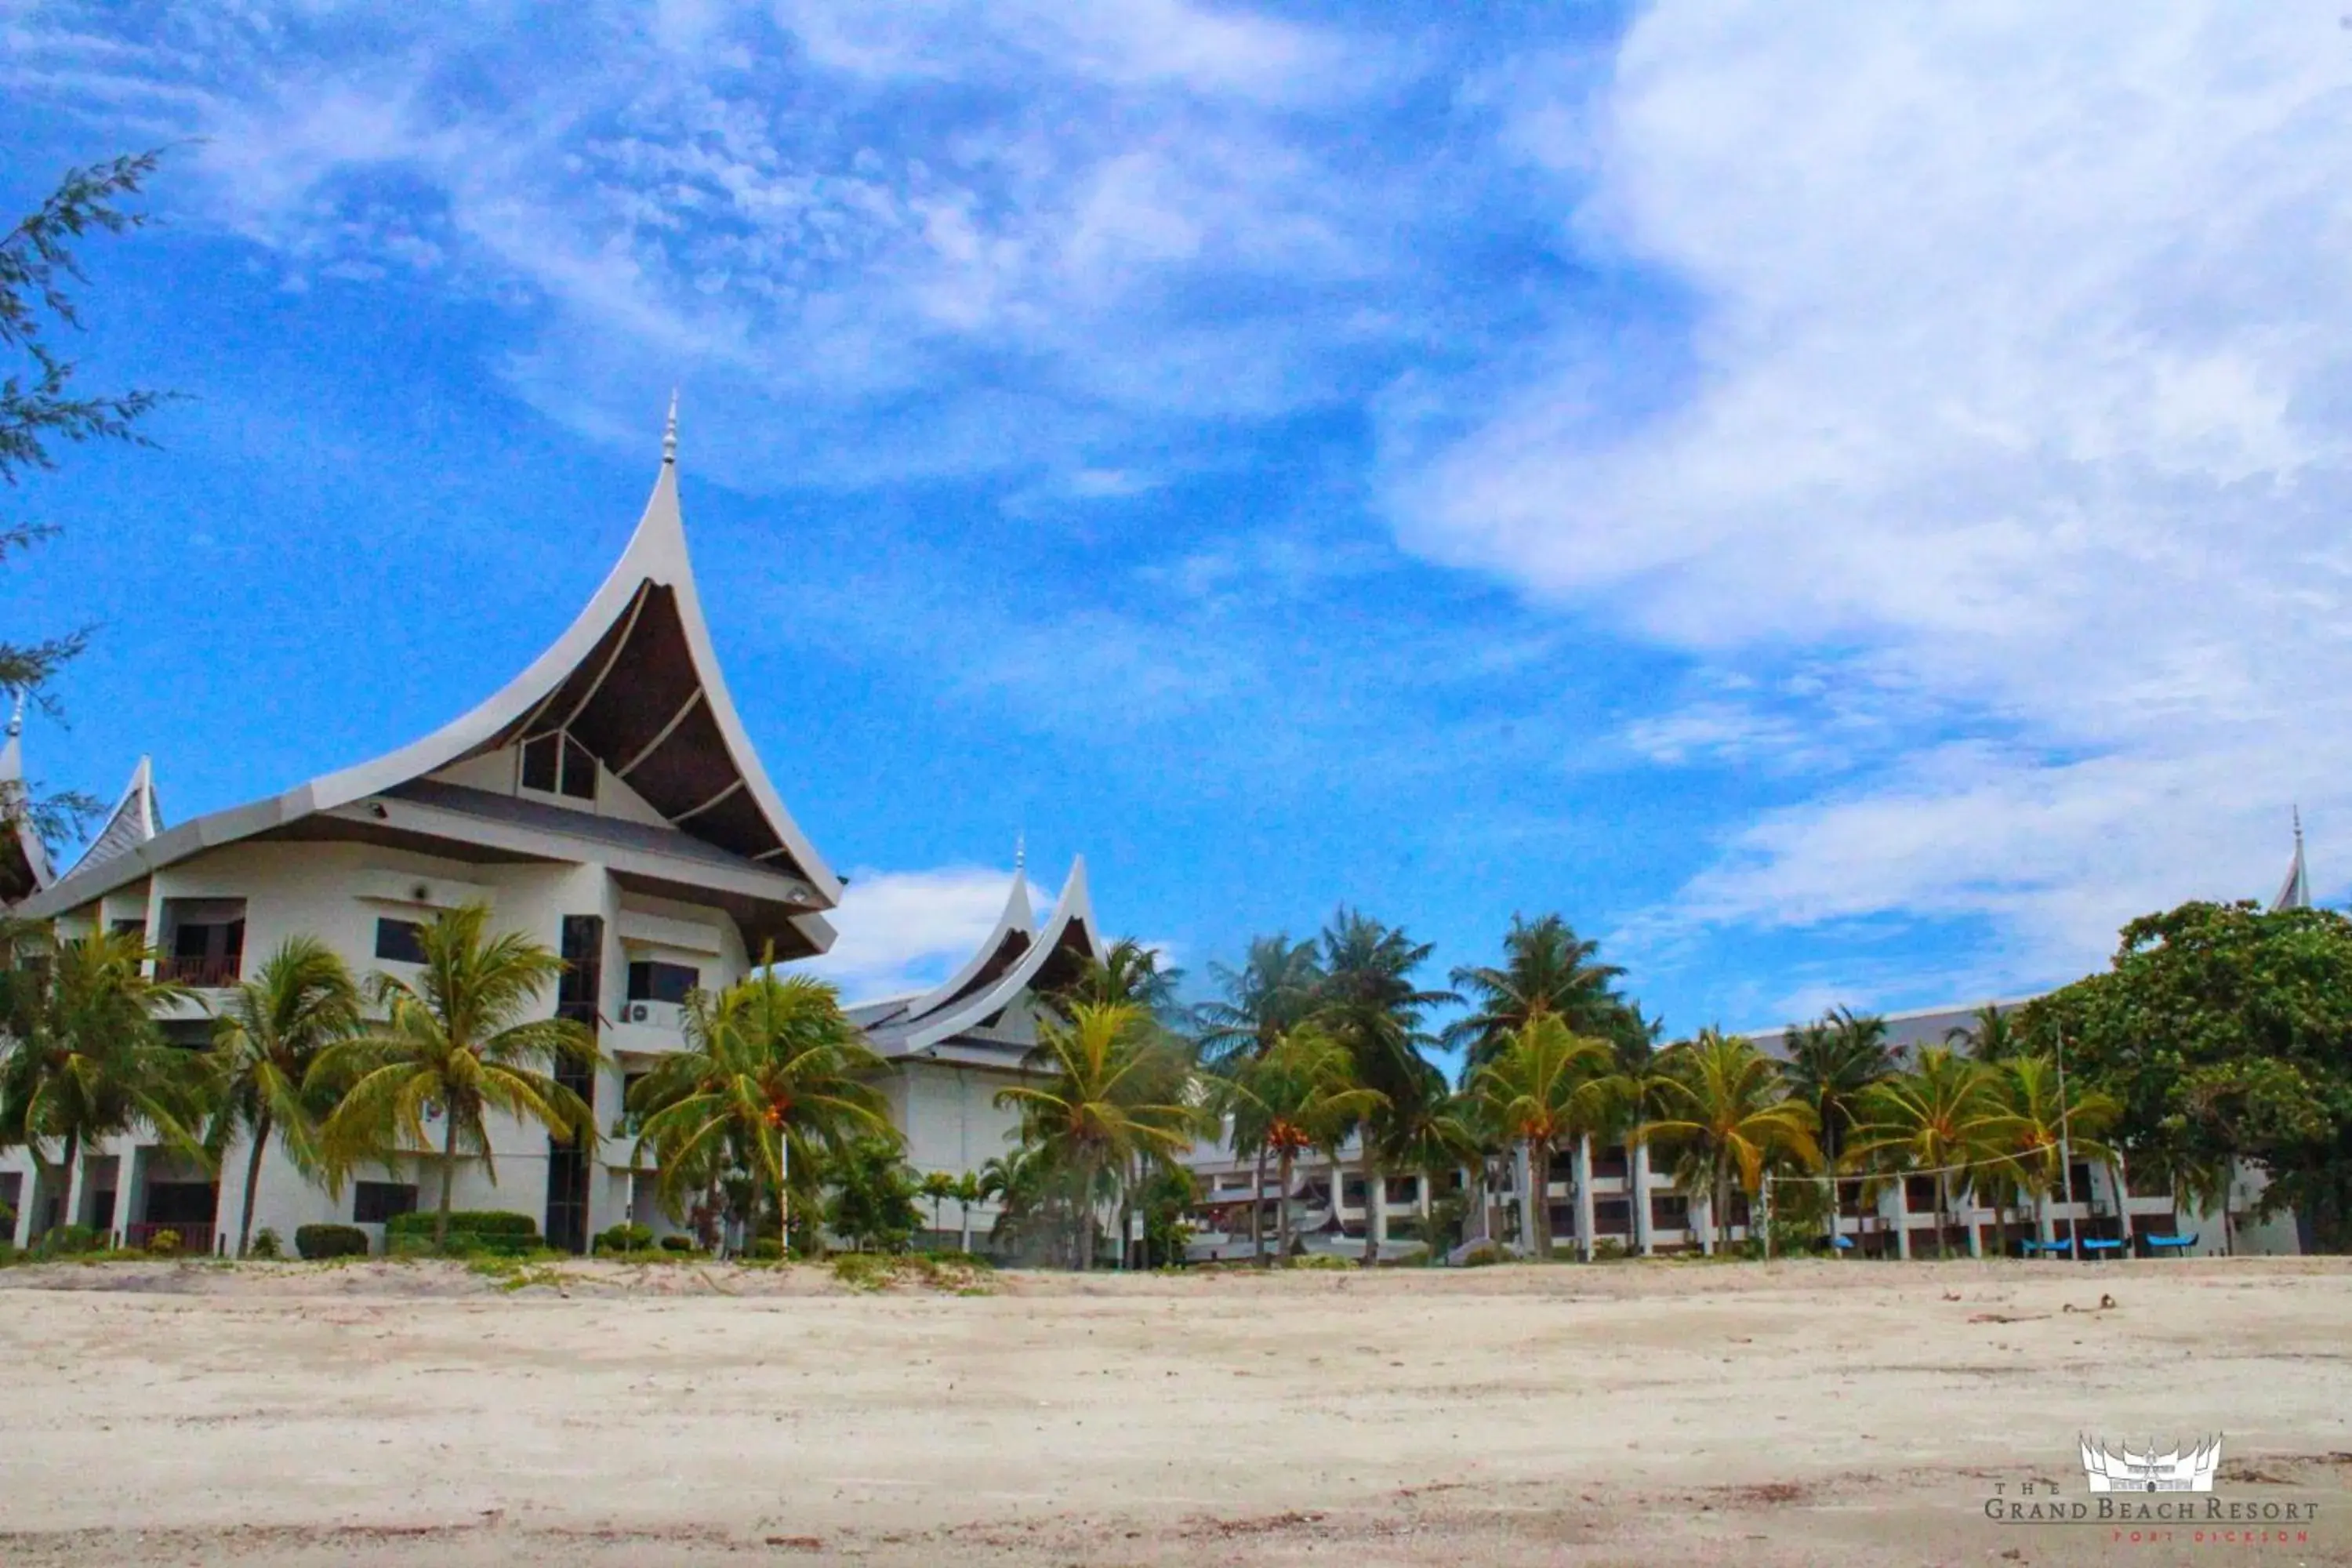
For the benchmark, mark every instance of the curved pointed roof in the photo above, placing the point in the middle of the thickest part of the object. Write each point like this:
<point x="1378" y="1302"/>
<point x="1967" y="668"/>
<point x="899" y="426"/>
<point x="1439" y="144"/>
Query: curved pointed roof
<point x="135" y="819"/>
<point x="24" y="860"/>
<point x="634" y="681"/>
<point x="634" y="678"/>
<point x="1067" y="939"/>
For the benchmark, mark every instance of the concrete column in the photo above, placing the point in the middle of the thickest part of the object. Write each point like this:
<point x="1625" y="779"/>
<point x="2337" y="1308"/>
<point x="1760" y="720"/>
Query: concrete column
<point x="1376" y="1207"/>
<point x="72" y="1215"/>
<point x="1975" y="1213"/>
<point x="1584" y="1196"/>
<point x="1640" y="1207"/>
<point x="1526" y="1201"/>
<point x="1702" y="1220"/>
<point x="1902" y="1219"/>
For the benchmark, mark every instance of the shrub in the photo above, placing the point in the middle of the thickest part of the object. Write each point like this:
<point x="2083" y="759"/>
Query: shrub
<point x="67" y="1241"/>
<point x="317" y="1241"/>
<point x="1483" y="1255"/>
<point x="1609" y="1249"/>
<point x="266" y="1245"/>
<point x="625" y="1238"/>
<point x="494" y="1231"/>
<point x="766" y="1250"/>
<point x="1320" y="1261"/>
<point x="163" y="1243"/>
<point x="677" y="1244"/>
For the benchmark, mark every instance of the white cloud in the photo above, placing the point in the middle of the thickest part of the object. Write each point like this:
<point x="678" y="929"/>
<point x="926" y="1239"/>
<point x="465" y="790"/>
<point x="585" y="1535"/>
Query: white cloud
<point x="903" y="931"/>
<point x="2017" y="400"/>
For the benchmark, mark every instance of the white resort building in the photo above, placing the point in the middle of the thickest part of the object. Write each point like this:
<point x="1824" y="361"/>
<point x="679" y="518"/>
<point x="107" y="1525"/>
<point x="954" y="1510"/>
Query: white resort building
<point x="607" y="803"/>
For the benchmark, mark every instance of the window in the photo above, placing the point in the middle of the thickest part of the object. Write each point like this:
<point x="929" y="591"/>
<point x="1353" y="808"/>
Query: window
<point x="1351" y="1192"/>
<point x="1669" y="1211"/>
<point x="399" y="941"/>
<point x="372" y="1202"/>
<point x="1609" y="1166"/>
<point x="1612" y="1215"/>
<point x="555" y="763"/>
<point x="652" y="981"/>
<point x="1404" y="1189"/>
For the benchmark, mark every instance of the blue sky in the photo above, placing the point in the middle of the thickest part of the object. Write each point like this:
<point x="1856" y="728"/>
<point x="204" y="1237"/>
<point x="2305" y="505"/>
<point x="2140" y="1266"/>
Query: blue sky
<point x="1845" y="505"/>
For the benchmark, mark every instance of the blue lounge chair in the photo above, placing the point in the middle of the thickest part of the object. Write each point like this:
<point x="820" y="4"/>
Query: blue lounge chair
<point x="2032" y="1248"/>
<point x="2100" y="1247"/>
<point x="1843" y="1243"/>
<point x="2179" y="1244"/>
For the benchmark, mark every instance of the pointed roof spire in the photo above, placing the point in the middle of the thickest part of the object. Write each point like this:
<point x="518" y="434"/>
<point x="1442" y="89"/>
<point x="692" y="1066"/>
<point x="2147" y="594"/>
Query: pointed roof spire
<point x="16" y="718"/>
<point x="1020" y="850"/>
<point x="669" y="430"/>
<point x="135" y="819"/>
<point x="2294" y="893"/>
<point x="24" y="860"/>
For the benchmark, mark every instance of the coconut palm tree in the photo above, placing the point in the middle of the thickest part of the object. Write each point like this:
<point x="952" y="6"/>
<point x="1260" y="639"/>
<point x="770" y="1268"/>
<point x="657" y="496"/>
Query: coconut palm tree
<point x="1724" y="1110"/>
<point x="1545" y="1084"/>
<point x="1546" y="968"/>
<point x="1277" y="985"/>
<point x="937" y="1187"/>
<point x="968" y="1192"/>
<point x="82" y="1059"/>
<point x="1832" y="1062"/>
<point x="1371" y="1005"/>
<point x="1300" y="1097"/>
<point x="2034" y="1126"/>
<point x="1105" y="1100"/>
<point x="772" y="1074"/>
<point x="1130" y="972"/>
<point x="1989" y="1035"/>
<point x="264" y="1043"/>
<point x="459" y="1044"/>
<point x="1945" y="1113"/>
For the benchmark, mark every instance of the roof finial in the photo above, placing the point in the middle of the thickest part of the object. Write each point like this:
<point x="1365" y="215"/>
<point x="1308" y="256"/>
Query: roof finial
<point x="2298" y="824"/>
<point x="16" y="718"/>
<point x="669" y="430"/>
<point x="1020" y="849"/>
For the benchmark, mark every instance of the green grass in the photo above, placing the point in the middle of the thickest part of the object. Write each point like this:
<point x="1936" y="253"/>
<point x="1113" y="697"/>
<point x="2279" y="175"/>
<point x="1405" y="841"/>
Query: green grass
<point x="960" y="1273"/>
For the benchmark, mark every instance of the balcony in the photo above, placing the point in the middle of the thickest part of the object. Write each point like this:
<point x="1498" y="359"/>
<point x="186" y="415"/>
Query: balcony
<point x="196" y="1236"/>
<point x="206" y="973"/>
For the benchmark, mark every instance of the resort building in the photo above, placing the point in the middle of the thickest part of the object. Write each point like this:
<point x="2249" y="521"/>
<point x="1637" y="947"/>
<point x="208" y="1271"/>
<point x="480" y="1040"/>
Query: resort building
<point x="605" y="803"/>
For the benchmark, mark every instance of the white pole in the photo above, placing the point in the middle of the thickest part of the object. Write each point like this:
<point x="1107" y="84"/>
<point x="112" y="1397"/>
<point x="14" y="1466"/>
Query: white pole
<point x="2066" y="1159"/>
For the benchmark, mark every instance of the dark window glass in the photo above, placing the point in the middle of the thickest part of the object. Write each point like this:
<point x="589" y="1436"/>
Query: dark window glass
<point x="1669" y="1211"/>
<point x="399" y="941"/>
<point x="653" y="982"/>
<point x="538" y="758"/>
<point x="190" y="941"/>
<point x="372" y="1202"/>
<point x="181" y="1203"/>
<point x="579" y="770"/>
<point x="1404" y="1189"/>
<point x="1351" y="1192"/>
<point x="1610" y="1164"/>
<point x="1919" y="1192"/>
<point x="1612" y="1215"/>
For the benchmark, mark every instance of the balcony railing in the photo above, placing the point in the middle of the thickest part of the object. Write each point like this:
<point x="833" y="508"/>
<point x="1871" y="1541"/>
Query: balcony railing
<point x="195" y="1239"/>
<point x="205" y="973"/>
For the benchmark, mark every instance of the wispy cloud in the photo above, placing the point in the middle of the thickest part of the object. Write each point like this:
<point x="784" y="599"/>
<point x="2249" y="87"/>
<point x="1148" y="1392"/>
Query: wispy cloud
<point x="903" y="931"/>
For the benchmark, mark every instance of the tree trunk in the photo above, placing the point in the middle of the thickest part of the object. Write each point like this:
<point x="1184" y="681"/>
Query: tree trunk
<point x="1539" y="1173"/>
<point x="252" y="1176"/>
<point x="1282" y="1211"/>
<point x="1258" y="1211"/>
<point x="785" y="1200"/>
<point x="1943" y="1214"/>
<point x="448" y="1179"/>
<point x="1371" y="1205"/>
<point x="1721" y="1199"/>
<point x="1085" y="1216"/>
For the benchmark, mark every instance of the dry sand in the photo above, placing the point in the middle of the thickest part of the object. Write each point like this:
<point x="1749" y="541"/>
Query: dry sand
<point x="1796" y="1413"/>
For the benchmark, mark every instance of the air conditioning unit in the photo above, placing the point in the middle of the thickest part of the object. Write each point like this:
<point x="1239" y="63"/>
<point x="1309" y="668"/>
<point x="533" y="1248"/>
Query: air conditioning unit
<point x="637" y="1013"/>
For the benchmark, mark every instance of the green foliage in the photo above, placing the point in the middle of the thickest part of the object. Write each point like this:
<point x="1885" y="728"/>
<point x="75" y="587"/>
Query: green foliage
<point x="625" y="1239"/>
<point x="265" y="1045"/>
<point x="1543" y="1086"/>
<point x="1312" y="1260"/>
<point x="68" y="1241"/>
<point x="1547" y="969"/>
<point x="2223" y="1031"/>
<point x="678" y="1243"/>
<point x="1724" y="1113"/>
<point x="957" y="1271"/>
<point x="163" y="1243"/>
<point x="463" y="1041"/>
<point x="872" y="1202"/>
<point x="266" y="1245"/>
<point x="40" y="406"/>
<point x="317" y="1241"/>
<point x="765" y="1249"/>
<point x="1611" y="1250"/>
<point x="493" y="1231"/>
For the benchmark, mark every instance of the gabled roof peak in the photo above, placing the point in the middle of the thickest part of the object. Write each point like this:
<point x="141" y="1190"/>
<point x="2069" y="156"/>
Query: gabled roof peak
<point x="24" y="859"/>
<point x="135" y="819"/>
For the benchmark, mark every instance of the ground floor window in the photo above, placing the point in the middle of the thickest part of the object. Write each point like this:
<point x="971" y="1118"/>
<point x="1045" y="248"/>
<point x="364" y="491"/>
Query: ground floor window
<point x="372" y="1202"/>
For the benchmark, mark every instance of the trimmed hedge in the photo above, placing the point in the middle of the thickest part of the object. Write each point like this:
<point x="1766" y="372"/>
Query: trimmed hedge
<point x="317" y="1241"/>
<point x="625" y="1238"/>
<point x="494" y="1231"/>
<point x="678" y="1243"/>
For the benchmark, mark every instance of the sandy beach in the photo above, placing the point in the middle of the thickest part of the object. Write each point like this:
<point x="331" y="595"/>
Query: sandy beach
<point x="1795" y="1413"/>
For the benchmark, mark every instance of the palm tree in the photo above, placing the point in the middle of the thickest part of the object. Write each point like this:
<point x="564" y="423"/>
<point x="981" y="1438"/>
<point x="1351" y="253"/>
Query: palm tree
<point x="1129" y="973"/>
<point x="937" y="1187"/>
<point x="1370" y="1006"/>
<point x="1945" y="1113"/>
<point x="772" y="1070"/>
<point x="1832" y="1062"/>
<point x="82" y="1059"/>
<point x="1543" y="1085"/>
<point x="968" y="1192"/>
<point x="1301" y="1096"/>
<point x="1546" y="968"/>
<point x="1725" y="1109"/>
<point x="1106" y="1102"/>
<point x="2034" y="1126"/>
<point x="1988" y="1037"/>
<point x="301" y="1001"/>
<point x="1277" y="985"/>
<point x="456" y="1044"/>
